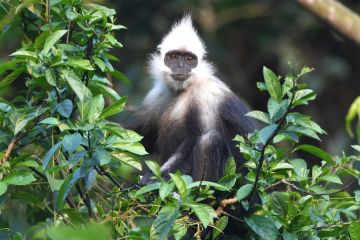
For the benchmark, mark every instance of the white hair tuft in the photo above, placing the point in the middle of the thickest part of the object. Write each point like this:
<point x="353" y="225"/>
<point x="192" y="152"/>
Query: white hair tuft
<point x="183" y="36"/>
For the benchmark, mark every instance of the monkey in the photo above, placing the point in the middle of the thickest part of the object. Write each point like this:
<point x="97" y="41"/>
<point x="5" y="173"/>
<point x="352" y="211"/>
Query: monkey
<point x="189" y="117"/>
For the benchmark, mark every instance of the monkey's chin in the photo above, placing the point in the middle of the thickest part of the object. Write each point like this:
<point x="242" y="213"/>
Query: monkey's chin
<point x="180" y="76"/>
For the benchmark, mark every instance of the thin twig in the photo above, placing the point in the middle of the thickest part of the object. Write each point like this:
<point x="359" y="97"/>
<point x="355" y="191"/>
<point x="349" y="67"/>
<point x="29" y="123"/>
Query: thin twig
<point x="9" y="150"/>
<point x="286" y="182"/>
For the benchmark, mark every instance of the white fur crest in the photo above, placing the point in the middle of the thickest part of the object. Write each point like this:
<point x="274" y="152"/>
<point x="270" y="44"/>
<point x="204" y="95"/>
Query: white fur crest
<point x="183" y="36"/>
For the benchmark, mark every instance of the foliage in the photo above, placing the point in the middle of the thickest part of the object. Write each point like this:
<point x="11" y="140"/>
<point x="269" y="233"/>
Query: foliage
<point x="61" y="157"/>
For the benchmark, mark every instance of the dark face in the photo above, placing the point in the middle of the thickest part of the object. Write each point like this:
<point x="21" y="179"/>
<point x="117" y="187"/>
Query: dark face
<point x="181" y="63"/>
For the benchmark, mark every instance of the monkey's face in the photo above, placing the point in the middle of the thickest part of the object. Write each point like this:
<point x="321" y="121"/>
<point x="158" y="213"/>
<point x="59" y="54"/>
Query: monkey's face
<point x="181" y="64"/>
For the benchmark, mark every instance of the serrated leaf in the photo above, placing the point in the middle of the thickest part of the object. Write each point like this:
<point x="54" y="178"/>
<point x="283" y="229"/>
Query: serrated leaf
<point x="263" y="227"/>
<point x="52" y="39"/>
<point x="272" y="84"/>
<point x="317" y="152"/>
<point x="243" y="192"/>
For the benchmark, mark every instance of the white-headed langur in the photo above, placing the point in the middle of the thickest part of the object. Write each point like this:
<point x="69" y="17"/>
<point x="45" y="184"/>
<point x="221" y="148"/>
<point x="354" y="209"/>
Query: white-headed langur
<point x="189" y="118"/>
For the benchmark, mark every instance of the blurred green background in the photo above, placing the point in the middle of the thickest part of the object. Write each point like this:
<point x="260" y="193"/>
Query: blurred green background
<point x="241" y="36"/>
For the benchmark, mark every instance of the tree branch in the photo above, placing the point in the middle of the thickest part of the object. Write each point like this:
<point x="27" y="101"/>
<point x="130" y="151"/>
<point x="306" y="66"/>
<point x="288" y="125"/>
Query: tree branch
<point x="336" y="15"/>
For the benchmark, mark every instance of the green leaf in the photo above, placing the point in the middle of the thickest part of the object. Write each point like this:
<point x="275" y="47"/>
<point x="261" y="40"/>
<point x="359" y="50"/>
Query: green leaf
<point x="129" y="159"/>
<point x="3" y="188"/>
<point x="49" y="154"/>
<point x="265" y="133"/>
<point x="272" y="84"/>
<point x="204" y="213"/>
<point x="207" y="183"/>
<point x="220" y="225"/>
<point x="305" y="70"/>
<point x="97" y="106"/>
<point x="331" y="178"/>
<point x="280" y="203"/>
<point x="6" y="81"/>
<point x="50" y="121"/>
<point x="303" y="96"/>
<point x="133" y="147"/>
<point x="65" y="108"/>
<point x="120" y="76"/>
<point x="243" y="192"/>
<point x="100" y="63"/>
<point x="259" y="115"/>
<point x="114" y="108"/>
<point x="79" y="63"/>
<point x="148" y="188"/>
<point x="354" y="230"/>
<point x="25" y="54"/>
<point x="230" y="167"/>
<point x="19" y="178"/>
<point x="103" y="157"/>
<point x="300" y="167"/>
<point x="71" y="142"/>
<point x="356" y="147"/>
<point x="154" y="168"/>
<point x="163" y="223"/>
<point x="263" y="227"/>
<point x="353" y="111"/>
<point x="290" y="236"/>
<point x="50" y="77"/>
<point x="165" y="190"/>
<point x="277" y="110"/>
<point x="316" y="152"/>
<point x="76" y="85"/>
<point x="55" y="184"/>
<point x="180" y="185"/>
<point x="68" y="185"/>
<point x="52" y="39"/>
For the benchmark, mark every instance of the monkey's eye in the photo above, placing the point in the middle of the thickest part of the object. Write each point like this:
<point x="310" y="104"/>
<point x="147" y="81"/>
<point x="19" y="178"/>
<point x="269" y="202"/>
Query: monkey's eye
<point x="189" y="59"/>
<point x="172" y="57"/>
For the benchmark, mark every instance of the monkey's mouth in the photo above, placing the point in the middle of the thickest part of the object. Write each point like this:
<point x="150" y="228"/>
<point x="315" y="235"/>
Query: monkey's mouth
<point x="180" y="76"/>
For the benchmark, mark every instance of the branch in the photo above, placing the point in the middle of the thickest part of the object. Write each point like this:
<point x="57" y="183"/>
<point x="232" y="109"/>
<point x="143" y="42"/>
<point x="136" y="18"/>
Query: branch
<point x="336" y="15"/>
<point x="286" y="182"/>
<point x="9" y="150"/>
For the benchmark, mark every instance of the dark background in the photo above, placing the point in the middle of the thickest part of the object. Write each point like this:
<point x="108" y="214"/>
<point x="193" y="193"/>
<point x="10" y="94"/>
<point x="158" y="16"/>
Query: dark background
<point x="241" y="37"/>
